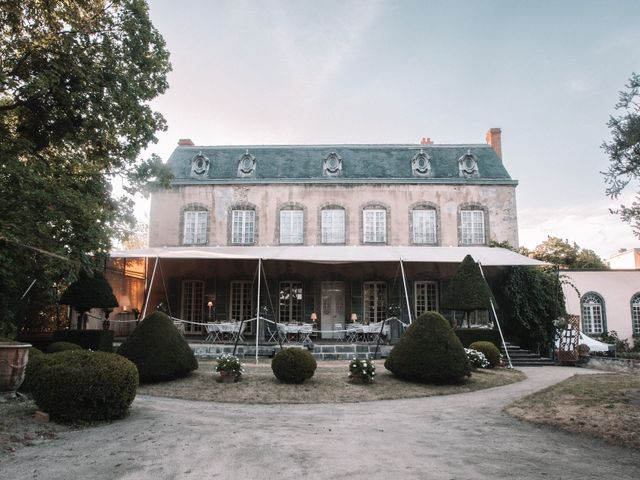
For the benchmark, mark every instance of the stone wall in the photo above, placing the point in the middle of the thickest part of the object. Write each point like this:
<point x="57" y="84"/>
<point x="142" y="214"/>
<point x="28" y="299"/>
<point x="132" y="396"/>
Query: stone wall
<point x="498" y="202"/>
<point x="621" y="365"/>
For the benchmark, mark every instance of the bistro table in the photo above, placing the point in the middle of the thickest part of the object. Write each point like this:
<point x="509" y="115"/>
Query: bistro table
<point x="224" y="331"/>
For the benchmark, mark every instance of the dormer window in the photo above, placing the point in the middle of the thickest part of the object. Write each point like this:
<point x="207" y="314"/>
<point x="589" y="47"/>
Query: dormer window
<point x="332" y="165"/>
<point x="199" y="166"/>
<point x="421" y="164"/>
<point x="468" y="165"/>
<point x="247" y="165"/>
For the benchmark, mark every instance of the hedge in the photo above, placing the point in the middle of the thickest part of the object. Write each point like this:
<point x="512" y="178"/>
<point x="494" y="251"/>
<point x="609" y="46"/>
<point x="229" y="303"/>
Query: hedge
<point x="468" y="336"/>
<point x="101" y="340"/>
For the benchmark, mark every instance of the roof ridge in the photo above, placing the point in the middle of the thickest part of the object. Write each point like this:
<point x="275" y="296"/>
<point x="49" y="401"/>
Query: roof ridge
<point x="338" y="145"/>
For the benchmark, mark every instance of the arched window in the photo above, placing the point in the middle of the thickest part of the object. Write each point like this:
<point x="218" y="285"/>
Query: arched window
<point x="635" y="314"/>
<point x="291" y="224"/>
<point x="593" y="314"/>
<point x="375" y="221"/>
<point x="332" y="224"/>
<point x="243" y="224"/>
<point x="473" y="224"/>
<point x="423" y="224"/>
<point x="195" y="224"/>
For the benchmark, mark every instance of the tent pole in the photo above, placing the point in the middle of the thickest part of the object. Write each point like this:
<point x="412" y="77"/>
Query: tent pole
<point x="266" y="285"/>
<point x="493" y="309"/>
<point x="258" y="308"/>
<point x="406" y="292"/>
<point x="153" y="275"/>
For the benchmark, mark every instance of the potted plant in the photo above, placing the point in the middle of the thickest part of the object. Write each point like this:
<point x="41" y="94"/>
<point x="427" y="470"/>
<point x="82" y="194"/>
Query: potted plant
<point x="230" y="368"/>
<point x="361" y="371"/>
<point x="13" y="362"/>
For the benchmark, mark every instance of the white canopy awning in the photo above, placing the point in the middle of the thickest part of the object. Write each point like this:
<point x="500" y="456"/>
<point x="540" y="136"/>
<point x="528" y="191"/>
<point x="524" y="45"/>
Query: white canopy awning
<point x="487" y="256"/>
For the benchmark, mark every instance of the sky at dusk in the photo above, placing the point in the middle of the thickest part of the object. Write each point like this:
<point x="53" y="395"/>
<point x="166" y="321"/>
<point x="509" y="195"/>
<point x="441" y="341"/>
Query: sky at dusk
<point x="547" y="73"/>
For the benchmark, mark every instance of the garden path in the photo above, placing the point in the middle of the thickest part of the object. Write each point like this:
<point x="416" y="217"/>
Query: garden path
<point x="463" y="437"/>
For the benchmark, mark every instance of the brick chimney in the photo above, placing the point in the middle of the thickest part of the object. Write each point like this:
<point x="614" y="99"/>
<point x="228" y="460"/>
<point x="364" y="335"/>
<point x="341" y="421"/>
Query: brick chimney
<point x="426" y="141"/>
<point x="185" y="142"/>
<point x="494" y="138"/>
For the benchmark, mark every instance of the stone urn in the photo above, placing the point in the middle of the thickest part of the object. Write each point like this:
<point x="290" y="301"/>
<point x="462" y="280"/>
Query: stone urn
<point x="13" y="362"/>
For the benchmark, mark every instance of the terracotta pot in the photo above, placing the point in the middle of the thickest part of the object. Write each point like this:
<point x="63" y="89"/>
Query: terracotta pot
<point x="13" y="361"/>
<point x="227" y="377"/>
<point x="356" y="378"/>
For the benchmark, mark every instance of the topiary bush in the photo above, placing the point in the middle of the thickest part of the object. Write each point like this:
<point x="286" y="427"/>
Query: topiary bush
<point x="80" y="385"/>
<point x="88" y="339"/>
<point x="293" y="365"/>
<point x="56" y="347"/>
<point x="429" y="352"/>
<point x="468" y="336"/>
<point x="158" y="350"/>
<point x="490" y="351"/>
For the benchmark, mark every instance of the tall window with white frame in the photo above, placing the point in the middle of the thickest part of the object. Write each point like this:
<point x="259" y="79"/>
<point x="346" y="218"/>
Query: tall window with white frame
<point x="472" y="227"/>
<point x="290" y="304"/>
<point x="291" y="226"/>
<point x="635" y="314"/>
<point x="333" y="226"/>
<point x="592" y="314"/>
<point x="195" y="227"/>
<point x="374" y="225"/>
<point x="375" y="302"/>
<point x="243" y="225"/>
<point x="423" y="223"/>
<point x="241" y="302"/>
<point x="192" y="305"/>
<point x="425" y="297"/>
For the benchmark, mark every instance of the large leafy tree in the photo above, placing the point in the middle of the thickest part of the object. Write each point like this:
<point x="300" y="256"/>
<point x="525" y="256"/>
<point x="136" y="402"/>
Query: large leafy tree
<point x="76" y="79"/>
<point x="566" y="255"/>
<point x="624" y="150"/>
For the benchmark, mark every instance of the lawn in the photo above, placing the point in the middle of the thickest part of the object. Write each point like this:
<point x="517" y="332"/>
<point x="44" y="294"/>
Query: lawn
<point x="603" y="406"/>
<point x="329" y="385"/>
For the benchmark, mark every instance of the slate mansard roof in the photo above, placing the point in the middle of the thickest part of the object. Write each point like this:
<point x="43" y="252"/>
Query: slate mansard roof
<point x="333" y="164"/>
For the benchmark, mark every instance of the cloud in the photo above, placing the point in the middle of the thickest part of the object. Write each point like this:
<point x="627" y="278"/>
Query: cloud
<point x="579" y="85"/>
<point x="590" y="225"/>
<point x="316" y="42"/>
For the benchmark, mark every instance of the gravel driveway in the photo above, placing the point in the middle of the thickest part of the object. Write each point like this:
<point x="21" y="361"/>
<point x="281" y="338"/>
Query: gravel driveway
<point x="461" y="437"/>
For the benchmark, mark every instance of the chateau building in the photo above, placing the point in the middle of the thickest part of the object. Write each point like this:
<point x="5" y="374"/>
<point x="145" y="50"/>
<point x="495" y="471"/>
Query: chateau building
<point x="340" y="231"/>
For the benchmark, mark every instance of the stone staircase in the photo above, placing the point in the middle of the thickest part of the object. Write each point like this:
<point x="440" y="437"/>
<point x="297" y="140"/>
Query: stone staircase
<point x="340" y="351"/>
<point x="525" y="358"/>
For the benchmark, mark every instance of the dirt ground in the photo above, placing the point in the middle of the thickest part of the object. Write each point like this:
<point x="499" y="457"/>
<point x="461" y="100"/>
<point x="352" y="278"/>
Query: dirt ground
<point x="19" y="428"/>
<point x="605" y="406"/>
<point x="464" y="436"/>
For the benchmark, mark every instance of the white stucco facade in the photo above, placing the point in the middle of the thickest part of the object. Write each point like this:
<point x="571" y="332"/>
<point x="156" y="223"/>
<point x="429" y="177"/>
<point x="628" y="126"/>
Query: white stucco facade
<point x="616" y="289"/>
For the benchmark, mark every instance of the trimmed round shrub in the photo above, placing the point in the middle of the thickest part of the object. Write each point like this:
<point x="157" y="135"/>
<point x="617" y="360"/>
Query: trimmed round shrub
<point x="80" y="385"/>
<point x="158" y="350"/>
<point x="429" y="352"/>
<point x="56" y="347"/>
<point x="490" y="351"/>
<point x="293" y="365"/>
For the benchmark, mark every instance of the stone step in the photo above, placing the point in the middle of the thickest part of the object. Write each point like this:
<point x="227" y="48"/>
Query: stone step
<point x="320" y="352"/>
<point x="521" y="357"/>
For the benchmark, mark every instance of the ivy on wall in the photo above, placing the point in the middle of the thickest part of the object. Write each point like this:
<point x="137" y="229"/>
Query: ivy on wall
<point x="531" y="299"/>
